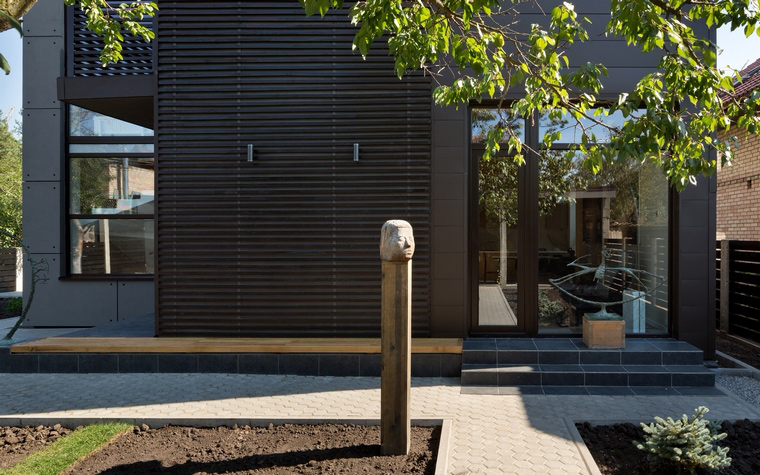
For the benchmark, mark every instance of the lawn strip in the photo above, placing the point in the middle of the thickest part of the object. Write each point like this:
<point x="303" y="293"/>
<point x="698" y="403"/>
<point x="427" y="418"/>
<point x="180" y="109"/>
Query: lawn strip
<point x="63" y="453"/>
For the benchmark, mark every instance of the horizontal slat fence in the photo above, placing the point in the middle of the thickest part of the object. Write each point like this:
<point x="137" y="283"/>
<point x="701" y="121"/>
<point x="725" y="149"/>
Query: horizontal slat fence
<point x="288" y="243"/>
<point x="718" y="278"/>
<point x="11" y="262"/>
<point x="739" y="283"/>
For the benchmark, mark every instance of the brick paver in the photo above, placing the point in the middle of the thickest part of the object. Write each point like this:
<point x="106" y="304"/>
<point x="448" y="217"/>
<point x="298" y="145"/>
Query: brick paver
<point x="491" y="434"/>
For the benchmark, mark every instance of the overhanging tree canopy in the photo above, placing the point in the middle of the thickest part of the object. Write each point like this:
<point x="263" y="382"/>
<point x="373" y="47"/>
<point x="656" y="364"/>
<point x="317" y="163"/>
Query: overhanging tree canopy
<point x="14" y="9"/>
<point x="478" y="49"/>
<point x="479" y="43"/>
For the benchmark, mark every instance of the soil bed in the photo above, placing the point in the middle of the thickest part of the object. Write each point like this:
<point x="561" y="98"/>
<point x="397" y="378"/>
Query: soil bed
<point x="744" y="353"/>
<point x="16" y="443"/>
<point x="287" y="449"/>
<point x="615" y="454"/>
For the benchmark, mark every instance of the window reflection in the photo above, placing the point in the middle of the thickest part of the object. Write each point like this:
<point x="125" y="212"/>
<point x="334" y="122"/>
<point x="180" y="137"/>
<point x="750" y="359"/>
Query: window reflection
<point x="86" y="123"/>
<point x="497" y="248"/>
<point x="132" y="148"/>
<point x="111" y="186"/>
<point x="111" y="246"/>
<point x="572" y="129"/>
<point x="485" y="119"/>
<point x="111" y="195"/>
<point x="623" y="211"/>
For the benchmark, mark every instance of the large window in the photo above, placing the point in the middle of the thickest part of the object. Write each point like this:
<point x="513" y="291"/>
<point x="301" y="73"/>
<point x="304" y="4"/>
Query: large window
<point x="616" y="220"/>
<point x="110" y="196"/>
<point x="573" y="224"/>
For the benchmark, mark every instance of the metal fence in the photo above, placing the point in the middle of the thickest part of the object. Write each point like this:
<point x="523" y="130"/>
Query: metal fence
<point x="738" y="288"/>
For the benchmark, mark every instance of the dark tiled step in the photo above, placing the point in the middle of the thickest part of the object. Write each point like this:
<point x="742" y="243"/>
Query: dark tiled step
<point x="311" y="364"/>
<point x="573" y="351"/>
<point x="586" y="375"/>
<point x="594" y="390"/>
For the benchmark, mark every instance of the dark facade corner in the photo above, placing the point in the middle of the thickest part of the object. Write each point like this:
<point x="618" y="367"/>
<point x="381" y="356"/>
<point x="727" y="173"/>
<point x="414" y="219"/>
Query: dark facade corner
<point x="215" y="183"/>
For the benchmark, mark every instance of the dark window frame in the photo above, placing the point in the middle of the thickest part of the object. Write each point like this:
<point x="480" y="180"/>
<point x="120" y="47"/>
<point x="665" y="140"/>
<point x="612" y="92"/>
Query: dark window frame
<point x="527" y="277"/>
<point x="66" y="273"/>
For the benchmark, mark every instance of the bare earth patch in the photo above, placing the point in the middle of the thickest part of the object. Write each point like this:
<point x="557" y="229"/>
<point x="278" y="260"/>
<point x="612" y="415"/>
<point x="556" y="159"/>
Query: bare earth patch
<point x="16" y="443"/>
<point x="287" y="449"/>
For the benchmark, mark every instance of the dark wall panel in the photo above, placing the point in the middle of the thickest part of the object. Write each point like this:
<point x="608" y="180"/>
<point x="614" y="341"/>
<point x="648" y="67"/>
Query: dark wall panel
<point x="286" y="244"/>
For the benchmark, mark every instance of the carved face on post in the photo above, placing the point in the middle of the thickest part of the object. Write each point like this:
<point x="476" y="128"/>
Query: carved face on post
<point x="396" y="241"/>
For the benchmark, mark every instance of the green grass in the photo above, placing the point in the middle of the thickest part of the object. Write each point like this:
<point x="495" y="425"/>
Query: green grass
<point x="62" y="454"/>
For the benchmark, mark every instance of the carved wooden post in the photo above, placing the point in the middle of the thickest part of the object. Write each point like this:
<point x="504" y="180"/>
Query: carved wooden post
<point x="396" y="250"/>
<point x="725" y="268"/>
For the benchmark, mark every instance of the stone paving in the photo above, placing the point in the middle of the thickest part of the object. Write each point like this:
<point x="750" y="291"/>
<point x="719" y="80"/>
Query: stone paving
<point x="493" y="308"/>
<point x="491" y="434"/>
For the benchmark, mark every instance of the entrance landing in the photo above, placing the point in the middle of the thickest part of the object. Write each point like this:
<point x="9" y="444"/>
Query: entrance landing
<point x="567" y="366"/>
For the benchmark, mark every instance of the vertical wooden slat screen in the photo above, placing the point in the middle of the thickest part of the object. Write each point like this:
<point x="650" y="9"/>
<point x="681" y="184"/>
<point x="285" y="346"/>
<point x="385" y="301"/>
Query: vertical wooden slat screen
<point x="285" y="245"/>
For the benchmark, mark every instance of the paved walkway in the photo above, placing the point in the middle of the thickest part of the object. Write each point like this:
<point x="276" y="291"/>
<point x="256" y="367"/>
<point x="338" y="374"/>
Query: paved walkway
<point x="492" y="434"/>
<point x="494" y="308"/>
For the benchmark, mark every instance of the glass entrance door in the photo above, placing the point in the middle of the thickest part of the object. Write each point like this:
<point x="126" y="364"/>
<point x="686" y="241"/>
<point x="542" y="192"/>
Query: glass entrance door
<point x="551" y="242"/>
<point x="497" y="243"/>
<point x="496" y="240"/>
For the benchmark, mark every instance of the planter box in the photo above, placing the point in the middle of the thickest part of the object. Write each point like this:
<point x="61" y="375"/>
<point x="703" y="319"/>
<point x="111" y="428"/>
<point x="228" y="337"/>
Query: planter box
<point x="11" y="265"/>
<point x="603" y="333"/>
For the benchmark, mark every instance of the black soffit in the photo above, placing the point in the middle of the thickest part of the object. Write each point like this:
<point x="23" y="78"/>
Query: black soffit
<point x="127" y="98"/>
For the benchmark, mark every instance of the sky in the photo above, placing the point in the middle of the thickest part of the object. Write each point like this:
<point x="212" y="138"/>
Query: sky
<point x="10" y="85"/>
<point x="735" y="51"/>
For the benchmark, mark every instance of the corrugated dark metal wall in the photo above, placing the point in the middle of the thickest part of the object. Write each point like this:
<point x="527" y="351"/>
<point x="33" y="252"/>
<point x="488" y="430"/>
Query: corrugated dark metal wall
<point x="286" y="244"/>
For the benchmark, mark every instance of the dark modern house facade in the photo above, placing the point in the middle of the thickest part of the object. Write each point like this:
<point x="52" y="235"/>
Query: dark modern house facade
<point x="233" y="176"/>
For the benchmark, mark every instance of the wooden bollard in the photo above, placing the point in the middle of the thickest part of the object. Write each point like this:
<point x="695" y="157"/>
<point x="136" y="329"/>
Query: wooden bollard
<point x="396" y="250"/>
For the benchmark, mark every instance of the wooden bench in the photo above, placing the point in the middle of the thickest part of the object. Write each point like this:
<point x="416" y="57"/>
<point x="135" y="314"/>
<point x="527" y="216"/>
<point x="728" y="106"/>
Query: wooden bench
<point x="230" y="345"/>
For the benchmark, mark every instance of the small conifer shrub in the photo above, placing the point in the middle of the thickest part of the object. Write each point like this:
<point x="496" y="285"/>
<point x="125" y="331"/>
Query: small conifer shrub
<point x="14" y="306"/>
<point x="686" y="444"/>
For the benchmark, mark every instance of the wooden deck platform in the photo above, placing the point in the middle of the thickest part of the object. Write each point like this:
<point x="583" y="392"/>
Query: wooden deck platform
<point x="230" y="345"/>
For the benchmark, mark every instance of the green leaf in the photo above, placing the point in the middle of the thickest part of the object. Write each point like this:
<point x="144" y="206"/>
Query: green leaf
<point x="4" y="65"/>
<point x="14" y="22"/>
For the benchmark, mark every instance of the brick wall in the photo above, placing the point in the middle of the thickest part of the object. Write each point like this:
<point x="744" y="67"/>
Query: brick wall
<point x="738" y="196"/>
<point x="140" y="180"/>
